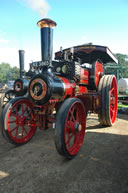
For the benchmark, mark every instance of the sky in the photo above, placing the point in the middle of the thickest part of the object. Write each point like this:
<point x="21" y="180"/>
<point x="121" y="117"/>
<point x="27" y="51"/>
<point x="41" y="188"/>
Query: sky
<point x="102" y="22"/>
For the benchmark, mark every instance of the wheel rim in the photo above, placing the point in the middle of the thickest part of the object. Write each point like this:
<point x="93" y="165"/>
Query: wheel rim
<point x="21" y="123"/>
<point x="74" y="130"/>
<point x="113" y="100"/>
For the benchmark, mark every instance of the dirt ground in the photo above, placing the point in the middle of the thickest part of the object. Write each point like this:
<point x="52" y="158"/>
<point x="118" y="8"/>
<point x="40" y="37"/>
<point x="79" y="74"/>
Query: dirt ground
<point x="100" y="167"/>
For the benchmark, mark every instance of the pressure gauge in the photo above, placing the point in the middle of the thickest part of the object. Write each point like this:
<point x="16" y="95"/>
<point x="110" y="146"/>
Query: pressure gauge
<point x="64" y="69"/>
<point x="58" y="69"/>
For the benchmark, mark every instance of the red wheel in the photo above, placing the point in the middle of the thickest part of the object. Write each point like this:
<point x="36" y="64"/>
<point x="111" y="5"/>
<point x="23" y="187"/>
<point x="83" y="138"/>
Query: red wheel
<point x="70" y="127"/>
<point x="108" y="93"/>
<point x="96" y="73"/>
<point x="18" y="123"/>
<point x="113" y="99"/>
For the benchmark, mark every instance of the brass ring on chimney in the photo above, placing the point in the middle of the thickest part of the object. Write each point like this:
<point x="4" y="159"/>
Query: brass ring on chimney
<point x="46" y="23"/>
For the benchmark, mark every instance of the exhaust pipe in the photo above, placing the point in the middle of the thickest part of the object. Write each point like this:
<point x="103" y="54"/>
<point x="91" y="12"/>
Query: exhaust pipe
<point x="46" y="26"/>
<point x="21" y="62"/>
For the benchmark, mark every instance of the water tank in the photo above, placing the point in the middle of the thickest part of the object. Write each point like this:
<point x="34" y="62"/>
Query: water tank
<point x="123" y="85"/>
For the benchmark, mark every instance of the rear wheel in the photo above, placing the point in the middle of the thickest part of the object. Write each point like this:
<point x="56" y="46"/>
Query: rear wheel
<point x="108" y="93"/>
<point x="18" y="121"/>
<point x="70" y="127"/>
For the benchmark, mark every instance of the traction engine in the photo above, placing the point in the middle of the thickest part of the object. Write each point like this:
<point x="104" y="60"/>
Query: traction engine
<point x="60" y="94"/>
<point x="20" y="85"/>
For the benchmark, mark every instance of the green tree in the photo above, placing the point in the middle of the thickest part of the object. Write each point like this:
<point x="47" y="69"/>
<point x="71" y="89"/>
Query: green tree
<point x="121" y="68"/>
<point x="13" y="73"/>
<point x="8" y="73"/>
<point x="123" y="64"/>
<point x="4" y="69"/>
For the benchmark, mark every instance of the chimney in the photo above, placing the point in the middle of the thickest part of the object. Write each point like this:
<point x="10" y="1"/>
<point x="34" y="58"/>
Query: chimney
<point x="21" y="62"/>
<point x="46" y="26"/>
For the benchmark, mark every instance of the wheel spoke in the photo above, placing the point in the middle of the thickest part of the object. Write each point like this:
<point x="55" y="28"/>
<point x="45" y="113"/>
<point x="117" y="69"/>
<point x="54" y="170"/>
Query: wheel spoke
<point x="5" y="100"/>
<point x="7" y="96"/>
<point x="12" y="121"/>
<point x="22" y="108"/>
<point x="72" y="118"/>
<point x="77" y="142"/>
<point x="112" y="90"/>
<point x="16" y="131"/>
<point x="14" y="115"/>
<point x="15" y="110"/>
<point x="13" y="129"/>
<point x="28" y="115"/>
<point x="70" y="135"/>
<point x="111" y="110"/>
<point x="24" y="130"/>
<point x="69" y="126"/>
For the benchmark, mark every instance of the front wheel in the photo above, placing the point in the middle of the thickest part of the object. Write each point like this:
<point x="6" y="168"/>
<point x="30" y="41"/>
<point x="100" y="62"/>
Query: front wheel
<point x="18" y="121"/>
<point x="70" y="127"/>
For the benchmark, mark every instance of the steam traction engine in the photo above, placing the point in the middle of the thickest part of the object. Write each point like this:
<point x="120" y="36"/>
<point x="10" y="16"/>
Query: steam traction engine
<point x="19" y="89"/>
<point x="61" y="93"/>
<point x="20" y="86"/>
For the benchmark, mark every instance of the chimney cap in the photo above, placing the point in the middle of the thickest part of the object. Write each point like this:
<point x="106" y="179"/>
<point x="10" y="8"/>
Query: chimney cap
<point x="46" y="23"/>
<point x="21" y="50"/>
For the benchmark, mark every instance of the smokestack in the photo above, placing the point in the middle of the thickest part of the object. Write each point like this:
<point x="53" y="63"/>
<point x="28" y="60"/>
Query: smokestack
<point x="21" y="62"/>
<point x="46" y="26"/>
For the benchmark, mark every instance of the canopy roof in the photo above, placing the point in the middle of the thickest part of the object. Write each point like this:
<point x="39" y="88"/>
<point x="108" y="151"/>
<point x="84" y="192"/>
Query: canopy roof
<point x="90" y="53"/>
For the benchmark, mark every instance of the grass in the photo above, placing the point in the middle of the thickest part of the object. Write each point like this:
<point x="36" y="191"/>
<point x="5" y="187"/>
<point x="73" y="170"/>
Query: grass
<point x="122" y="106"/>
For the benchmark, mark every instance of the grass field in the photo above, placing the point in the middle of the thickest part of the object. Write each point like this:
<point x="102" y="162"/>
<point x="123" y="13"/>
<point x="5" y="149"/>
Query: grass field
<point x="122" y="106"/>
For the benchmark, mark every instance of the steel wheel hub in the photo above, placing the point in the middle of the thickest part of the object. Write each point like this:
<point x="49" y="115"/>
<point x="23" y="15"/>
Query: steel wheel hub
<point x="78" y="127"/>
<point x="112" y="99"/>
